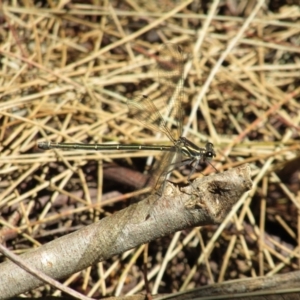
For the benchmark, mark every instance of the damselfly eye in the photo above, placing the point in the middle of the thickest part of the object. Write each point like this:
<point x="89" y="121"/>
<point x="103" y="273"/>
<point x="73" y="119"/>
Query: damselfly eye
<point x="210" y="152"/>
<point x="209" y="155"/>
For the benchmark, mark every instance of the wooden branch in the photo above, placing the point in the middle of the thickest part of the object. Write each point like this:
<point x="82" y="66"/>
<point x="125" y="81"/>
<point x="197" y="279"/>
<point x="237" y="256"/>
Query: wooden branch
<point x="279" y="286"/>
<point x="206" y="201"/>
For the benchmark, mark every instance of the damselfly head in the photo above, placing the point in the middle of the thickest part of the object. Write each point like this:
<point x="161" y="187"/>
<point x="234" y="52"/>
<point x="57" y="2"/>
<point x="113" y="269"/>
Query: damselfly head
<point x="210" y="152"/>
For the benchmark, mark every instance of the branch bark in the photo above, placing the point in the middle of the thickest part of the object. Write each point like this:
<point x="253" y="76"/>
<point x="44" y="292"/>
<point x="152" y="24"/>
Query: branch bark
<point x="207" y="201"/>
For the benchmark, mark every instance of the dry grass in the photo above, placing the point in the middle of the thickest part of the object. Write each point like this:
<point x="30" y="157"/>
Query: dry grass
<point x="66" y="72"/>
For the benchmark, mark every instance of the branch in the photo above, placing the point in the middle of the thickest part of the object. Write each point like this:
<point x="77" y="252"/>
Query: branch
<point x="207" y="201"/>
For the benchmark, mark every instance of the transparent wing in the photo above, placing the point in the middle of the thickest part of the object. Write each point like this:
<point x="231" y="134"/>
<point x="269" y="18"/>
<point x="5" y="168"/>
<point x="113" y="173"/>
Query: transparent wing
<point x="144" y="110"/>
<point x="162" y="167"/>
<point x="170" y="75"/>
<point x="170" y="63"/>
<point x="169" y="71"/>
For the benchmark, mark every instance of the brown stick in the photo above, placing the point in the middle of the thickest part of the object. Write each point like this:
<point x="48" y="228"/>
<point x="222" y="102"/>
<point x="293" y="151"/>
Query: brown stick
<point x="206" y="201"/>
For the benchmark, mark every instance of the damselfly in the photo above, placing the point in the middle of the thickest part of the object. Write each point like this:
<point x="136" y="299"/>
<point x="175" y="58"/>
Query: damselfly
<point x="170" y="69"/>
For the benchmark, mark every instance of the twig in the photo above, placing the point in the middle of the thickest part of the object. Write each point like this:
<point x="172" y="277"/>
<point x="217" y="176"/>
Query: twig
<point x="206" y="201"/>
